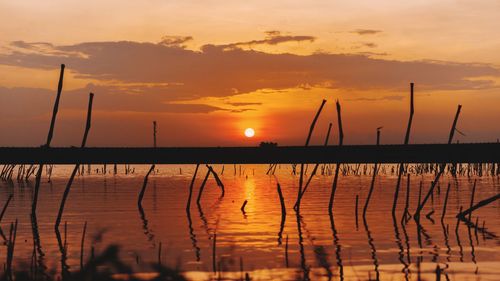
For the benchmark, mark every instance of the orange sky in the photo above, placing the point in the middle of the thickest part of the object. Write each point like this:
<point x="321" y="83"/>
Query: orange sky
<point x="207" y="70"/>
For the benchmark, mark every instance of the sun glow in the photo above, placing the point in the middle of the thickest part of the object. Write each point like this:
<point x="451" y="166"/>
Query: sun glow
<point x="249" y="132"/>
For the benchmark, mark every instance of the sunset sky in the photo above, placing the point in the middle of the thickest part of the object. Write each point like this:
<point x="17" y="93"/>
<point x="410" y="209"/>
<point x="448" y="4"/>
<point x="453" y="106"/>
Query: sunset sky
<point x="207" y="70"/>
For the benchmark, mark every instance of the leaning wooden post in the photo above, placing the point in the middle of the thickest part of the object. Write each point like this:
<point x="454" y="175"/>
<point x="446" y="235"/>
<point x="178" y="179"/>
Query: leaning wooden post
<point x="188" y="206"/>
<point x="401" y="165"/>
<point x="154" y="134"/>
<point x="315" y="169"/>
<point x="472" y="198"/>
<point x="461" y="215"/>
<point x="200" y="192"/>
<point x="372" y="185"/>
<point x="441" y="168"/>
<point x="49" y="139"/>
<point x="5" y="207"/>
<point x="144" y="185"/>
<point x="337" y="168"/>
<point x="77" y="166"/>
<point x="311" y="129"/>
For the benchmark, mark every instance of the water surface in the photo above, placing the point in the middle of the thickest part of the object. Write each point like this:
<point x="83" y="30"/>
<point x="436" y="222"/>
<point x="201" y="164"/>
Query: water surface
<point x="311" y="245"/>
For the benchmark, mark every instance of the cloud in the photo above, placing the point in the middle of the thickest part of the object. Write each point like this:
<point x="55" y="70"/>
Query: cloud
<point x="366" y="31"/>
<point x="165" y="73"/>
<point x="388" y="98"/>
<point x="36" y="102"/>
<point x="175" y="41"/>
<point x="244" y="103"/>
<point x="273" y="37"/>
<point x="370" y="44"/>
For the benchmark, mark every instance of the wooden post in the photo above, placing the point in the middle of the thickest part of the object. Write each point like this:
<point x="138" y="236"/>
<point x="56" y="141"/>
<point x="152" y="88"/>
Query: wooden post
<point x="337" y="168"/>
<point x="154" y="134"/>
<point x="401" y="165"/>
<point x="313" y="173"/>
<point x="188" y="206"/>
<point x="461" y="215"/>
<point x="445" y="202"/>
<point x="372" y="185"/>
<point x="49" y="139"/>
<point x="75" y="169"/>
<point x="311" y="129"/>
<point x="472" y="198"/>
<point x="5" y="207"/>
<point x="144" y="185"/>
<point x="202" y="187"/>
<point x="441" y="168"/>
<point x="82" y="245"/>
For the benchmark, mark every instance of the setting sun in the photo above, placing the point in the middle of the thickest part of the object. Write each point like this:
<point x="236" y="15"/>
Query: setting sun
<point x="249" y="132"/>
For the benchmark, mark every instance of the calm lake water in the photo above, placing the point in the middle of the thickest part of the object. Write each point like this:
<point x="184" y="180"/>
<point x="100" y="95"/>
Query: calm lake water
<point x="251" y="240"/>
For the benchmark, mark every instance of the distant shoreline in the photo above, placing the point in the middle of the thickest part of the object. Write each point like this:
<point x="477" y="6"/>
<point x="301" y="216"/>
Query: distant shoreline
<point x="414" y="153"/>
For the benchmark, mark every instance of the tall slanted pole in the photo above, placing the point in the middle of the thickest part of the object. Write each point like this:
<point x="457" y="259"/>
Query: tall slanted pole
<point x="154" y="134"/>
<point x="77" y="166"/>
<point x="188" y="205"/>
<point x="49" y="139"/>
<point x="311" y="129"/>
<point x="337" y="168"/>
<point x="315" y="169"/>
<point x="401" y="165"/>
<point x="372" y="185"/>
<point x="441" y="168"/>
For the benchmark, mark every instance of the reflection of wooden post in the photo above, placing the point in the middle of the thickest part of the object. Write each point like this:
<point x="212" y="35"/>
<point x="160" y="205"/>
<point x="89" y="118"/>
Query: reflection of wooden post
<point x="214" y="255"/>
<point x="49" y="139"/>
<point x="372" y="185"/>
<point x="311" y="129"/>
<point x="337" y="168"/>
<point x="5" y="207"/>
<point x="441" y="168"/>
<point x="401" y="165"/>
<point x="77" y="166"/>
<point x="461" y="215"/>
<point x="154" y="133"/>
<point x="144" y="185"/>
<point x="188" y="206"/>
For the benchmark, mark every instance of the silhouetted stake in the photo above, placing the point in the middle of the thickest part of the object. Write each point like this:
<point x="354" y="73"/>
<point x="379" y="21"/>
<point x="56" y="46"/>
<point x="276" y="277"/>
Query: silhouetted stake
<point x="202" y="187"/>
<point x="82" y="245"/>
<point x="217" y="180"/>
<point x="154" y="134"/>
<point x="461" y="215"/>
<point x="5" y="207"/>
<point x="372" y="185"/>
<point x="401" y="165"/>
<point x="49" y="139"/>
<point x="445" y="202"/>
<point x="243" y="206"/>
<point x="301" y="179"/>
<point x="283" y="213"/>
<point x="159" y="254"/>
<point x="315" y="169"/>
<point x="10" y="250"/>
<point x="286" y="251"/>
<point x="188" y="206"/>
<point x="458" y="220"/>
<point x="214" y="255"/>
<point x="406" y="213"/>
<point x="356" y="211"/>
<point x="337" y="168"/>
<point x="144" y="185"/>
<point x="472" y="198"/>
<point x="441" y="168"/>
<point x="77" y="166"/>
